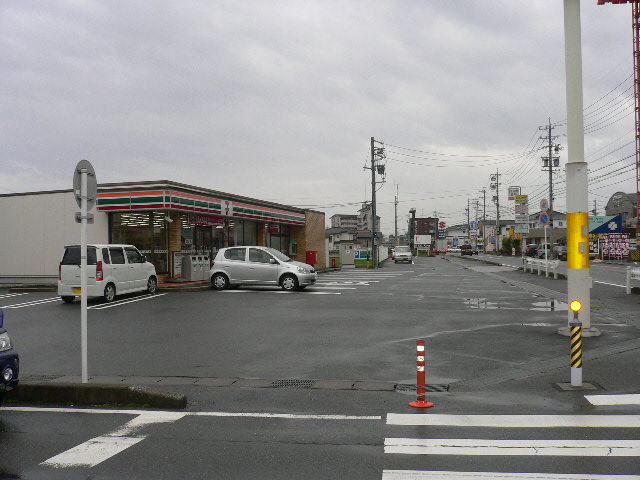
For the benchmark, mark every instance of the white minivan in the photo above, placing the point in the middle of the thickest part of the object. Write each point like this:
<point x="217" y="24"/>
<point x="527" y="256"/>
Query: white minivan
<point x="111" y="270"/>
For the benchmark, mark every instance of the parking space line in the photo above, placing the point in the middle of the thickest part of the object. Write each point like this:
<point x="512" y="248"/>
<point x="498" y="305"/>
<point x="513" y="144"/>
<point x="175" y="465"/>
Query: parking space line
<point x="7" y="295"/>
<point x="124" y="302"/>
<point x="32" y="303"/>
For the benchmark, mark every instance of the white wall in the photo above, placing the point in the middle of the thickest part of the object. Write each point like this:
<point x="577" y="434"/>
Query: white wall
<point x="35" y="228"/>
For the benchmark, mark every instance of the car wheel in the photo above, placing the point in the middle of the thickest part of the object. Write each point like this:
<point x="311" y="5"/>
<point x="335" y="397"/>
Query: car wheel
<point x="289" y="283"/>
<point x="152" y="285"/>
<point x="219" y="281"/>
<point x="67" y="299"/>
<point x="109" y="292"/>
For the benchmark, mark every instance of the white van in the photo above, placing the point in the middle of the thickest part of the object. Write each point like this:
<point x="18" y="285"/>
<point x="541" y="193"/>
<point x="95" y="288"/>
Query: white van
<point x="111" y="270"/>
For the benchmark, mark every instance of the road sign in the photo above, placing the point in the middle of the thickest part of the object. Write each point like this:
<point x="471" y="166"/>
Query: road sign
<point x="522" y="199"/>
<point x="92" y="183"/>
<point x="474" y="225"/>
<point x="544" y="205"/>
<point x="544" y="219"/>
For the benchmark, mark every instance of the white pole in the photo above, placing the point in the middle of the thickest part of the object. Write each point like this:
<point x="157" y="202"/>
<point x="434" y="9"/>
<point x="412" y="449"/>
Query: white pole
<point x="546" y="253"/>
<point x="578" y="277"/>
<point x="83" y="274"/>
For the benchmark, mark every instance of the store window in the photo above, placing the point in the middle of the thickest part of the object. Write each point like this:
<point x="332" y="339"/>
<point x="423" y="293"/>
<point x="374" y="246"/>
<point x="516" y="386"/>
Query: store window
<point x="145" y="230"/>
<point x="280" y="240"/>
<point x="246" y="233"/>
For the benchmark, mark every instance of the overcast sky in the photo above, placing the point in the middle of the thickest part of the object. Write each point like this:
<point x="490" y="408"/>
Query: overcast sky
<point x="278" y="100"/>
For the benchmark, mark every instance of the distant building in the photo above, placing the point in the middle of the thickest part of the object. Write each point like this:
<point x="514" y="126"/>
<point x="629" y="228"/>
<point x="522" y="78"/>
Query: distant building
<point x="625" y="205"/>
<point x="345" y="221"/>
<point x="364" y="221"/>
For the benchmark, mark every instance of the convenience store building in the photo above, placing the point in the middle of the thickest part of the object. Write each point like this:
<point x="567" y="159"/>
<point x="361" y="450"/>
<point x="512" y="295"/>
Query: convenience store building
<point x="163" y="219"/>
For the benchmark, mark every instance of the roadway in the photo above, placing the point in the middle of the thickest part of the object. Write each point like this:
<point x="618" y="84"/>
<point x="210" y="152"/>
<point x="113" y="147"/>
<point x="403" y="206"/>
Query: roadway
<point x="491" y="343"/>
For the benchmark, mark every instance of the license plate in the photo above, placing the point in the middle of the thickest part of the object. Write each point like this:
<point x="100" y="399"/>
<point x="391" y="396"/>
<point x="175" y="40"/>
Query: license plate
<point x="77" y="290"/>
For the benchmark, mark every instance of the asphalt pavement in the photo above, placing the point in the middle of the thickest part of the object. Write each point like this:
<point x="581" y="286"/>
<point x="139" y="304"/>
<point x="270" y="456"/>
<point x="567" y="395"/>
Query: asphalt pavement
<point x="316" y="384"/>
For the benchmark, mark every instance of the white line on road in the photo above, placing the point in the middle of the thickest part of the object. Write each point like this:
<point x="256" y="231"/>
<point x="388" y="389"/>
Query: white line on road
<point x="7" y="295"/>
<point x="310" y="292"/>
<point x="163" y="413"/>
<point x="32" y="303"/>
<point x="516" y="421"/>
<point x="601" y="400"/>
<point x="611" y="284"/>
<point x="124" y="302"/>
<point x="443" y="475"/>
<point x="473" y="446"/>
<point x="99" y="449"/>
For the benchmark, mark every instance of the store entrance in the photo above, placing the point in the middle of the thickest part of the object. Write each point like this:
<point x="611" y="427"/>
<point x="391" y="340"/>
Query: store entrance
<point x="203" y="240"/>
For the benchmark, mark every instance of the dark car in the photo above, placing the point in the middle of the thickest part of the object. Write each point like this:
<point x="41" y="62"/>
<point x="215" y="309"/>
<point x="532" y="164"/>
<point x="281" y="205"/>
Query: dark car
<point x="531" y="250"/>
<point x="9" y="362"/>
<point x="468" y="250"/>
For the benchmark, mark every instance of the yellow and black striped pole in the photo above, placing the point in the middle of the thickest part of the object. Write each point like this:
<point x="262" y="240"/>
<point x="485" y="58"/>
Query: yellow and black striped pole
<point x="576" y="346"/>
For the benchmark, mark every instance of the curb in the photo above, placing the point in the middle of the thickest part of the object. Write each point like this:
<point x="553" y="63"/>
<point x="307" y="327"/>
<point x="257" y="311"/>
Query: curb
<point x="94" y="394"/>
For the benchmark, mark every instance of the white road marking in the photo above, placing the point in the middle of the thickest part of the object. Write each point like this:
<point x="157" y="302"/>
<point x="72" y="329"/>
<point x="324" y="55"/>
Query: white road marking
<point x="310" y="292"/>
<point x="611" y="284"/>
<point x="124" y="302"/>
<point x="443" y="475"/>
<point x="7" y="295"/>
<point x="32" y="303"/>
<point x="516" y="421"/>
<point x="99" y="449"/>
<point x="331" y="287"/>
<point x="158" y="415"/>
<point x="472" y="446"/>
<point x="600" y="400"/>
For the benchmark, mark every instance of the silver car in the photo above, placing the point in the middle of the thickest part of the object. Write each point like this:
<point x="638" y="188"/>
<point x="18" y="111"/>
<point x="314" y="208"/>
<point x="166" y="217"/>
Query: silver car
<point x="402" y="253"/>
<point x="234" y="266"/>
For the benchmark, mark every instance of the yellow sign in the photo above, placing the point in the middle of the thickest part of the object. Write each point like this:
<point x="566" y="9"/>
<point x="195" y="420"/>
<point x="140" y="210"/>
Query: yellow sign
<point x="522" y="199"/>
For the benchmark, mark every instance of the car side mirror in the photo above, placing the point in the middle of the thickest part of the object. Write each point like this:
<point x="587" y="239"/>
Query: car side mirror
<point x="273" y="261"/>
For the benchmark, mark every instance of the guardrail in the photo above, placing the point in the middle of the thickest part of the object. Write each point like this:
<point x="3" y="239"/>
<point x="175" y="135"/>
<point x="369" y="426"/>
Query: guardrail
<point x="542" y="264"/>
<point x="633" y="273"/>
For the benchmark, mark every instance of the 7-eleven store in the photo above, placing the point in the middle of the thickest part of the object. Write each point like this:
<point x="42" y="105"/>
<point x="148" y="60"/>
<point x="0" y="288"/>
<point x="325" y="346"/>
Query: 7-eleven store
<point x="165" y="220"/>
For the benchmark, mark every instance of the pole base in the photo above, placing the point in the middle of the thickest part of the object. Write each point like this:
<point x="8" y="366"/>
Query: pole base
<point x="421" y="404"/>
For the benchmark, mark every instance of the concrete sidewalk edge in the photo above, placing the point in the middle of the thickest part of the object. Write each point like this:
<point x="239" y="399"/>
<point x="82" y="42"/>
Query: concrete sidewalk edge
<point x="94" y="394"/>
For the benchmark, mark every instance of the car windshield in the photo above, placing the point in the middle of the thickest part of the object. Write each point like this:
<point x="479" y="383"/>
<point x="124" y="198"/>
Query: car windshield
<point x="279" y="255"/>
<point x="402" y="249"/>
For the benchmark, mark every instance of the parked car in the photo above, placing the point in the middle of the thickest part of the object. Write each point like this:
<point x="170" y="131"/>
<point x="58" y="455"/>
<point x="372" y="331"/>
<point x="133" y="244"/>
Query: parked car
<point x="254" y="265"/>
<point x="561" y="252"/>
<point x="543" y="249"/>
<point x="454" y="250"/>
<point x="468" y="250"/>
<point x="9" y="362"/>
<point x="402" y="253"/>
<point x="111" y="270"/>
<point x="531" y="250"/>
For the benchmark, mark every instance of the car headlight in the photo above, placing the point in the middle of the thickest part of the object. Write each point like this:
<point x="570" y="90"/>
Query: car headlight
<point x="302" y="270"/>
<point x="5" y="342"/>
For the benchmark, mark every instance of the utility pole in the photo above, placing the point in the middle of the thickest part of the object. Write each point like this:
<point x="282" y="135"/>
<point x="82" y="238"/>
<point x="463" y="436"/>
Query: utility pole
<point x="377" y="166"/>
<point x="578" y="271"/>
<point x="549" y="163"/>
<point x="395" y="231"/>
<point x="412" y="226"/>
<point x="484" y="218"/>
<point x="595" y="208"/>
<point x="468" y="223"/>
<point x="495" y="185"/>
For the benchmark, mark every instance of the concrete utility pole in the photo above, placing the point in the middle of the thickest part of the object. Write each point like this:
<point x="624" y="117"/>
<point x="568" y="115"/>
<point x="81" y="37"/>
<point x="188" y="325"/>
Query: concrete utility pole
<point x="484" y="218"/>
<point x="495" y="185"/>
<point x="468" y="223"/>
<point x="395" y="231"/>
<point x="550" y="162"/>
<point x="412" y="227"/>
<point x="377" y="155"/>
<point x="578" y="273"/>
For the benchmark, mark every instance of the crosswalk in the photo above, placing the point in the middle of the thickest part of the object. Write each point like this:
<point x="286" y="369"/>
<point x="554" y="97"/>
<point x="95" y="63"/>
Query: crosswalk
<point x="356" y="279"/>
<point x="476" y="436"/>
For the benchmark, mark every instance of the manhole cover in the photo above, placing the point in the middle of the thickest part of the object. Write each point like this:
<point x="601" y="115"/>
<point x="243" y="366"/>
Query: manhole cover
<point x="293" y="383"/>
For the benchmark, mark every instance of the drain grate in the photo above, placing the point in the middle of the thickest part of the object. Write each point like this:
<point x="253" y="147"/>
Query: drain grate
<point x="410" y="388"/>
<point x="293" y="383"/>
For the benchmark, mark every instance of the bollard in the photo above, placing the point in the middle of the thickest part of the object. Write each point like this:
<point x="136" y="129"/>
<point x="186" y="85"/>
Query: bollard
<point x="421" y="385"/>
<point x="576" y="346"/>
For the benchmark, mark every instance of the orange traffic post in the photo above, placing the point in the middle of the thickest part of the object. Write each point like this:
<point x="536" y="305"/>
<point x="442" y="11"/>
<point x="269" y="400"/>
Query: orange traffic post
<point x="421" y="385"/>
